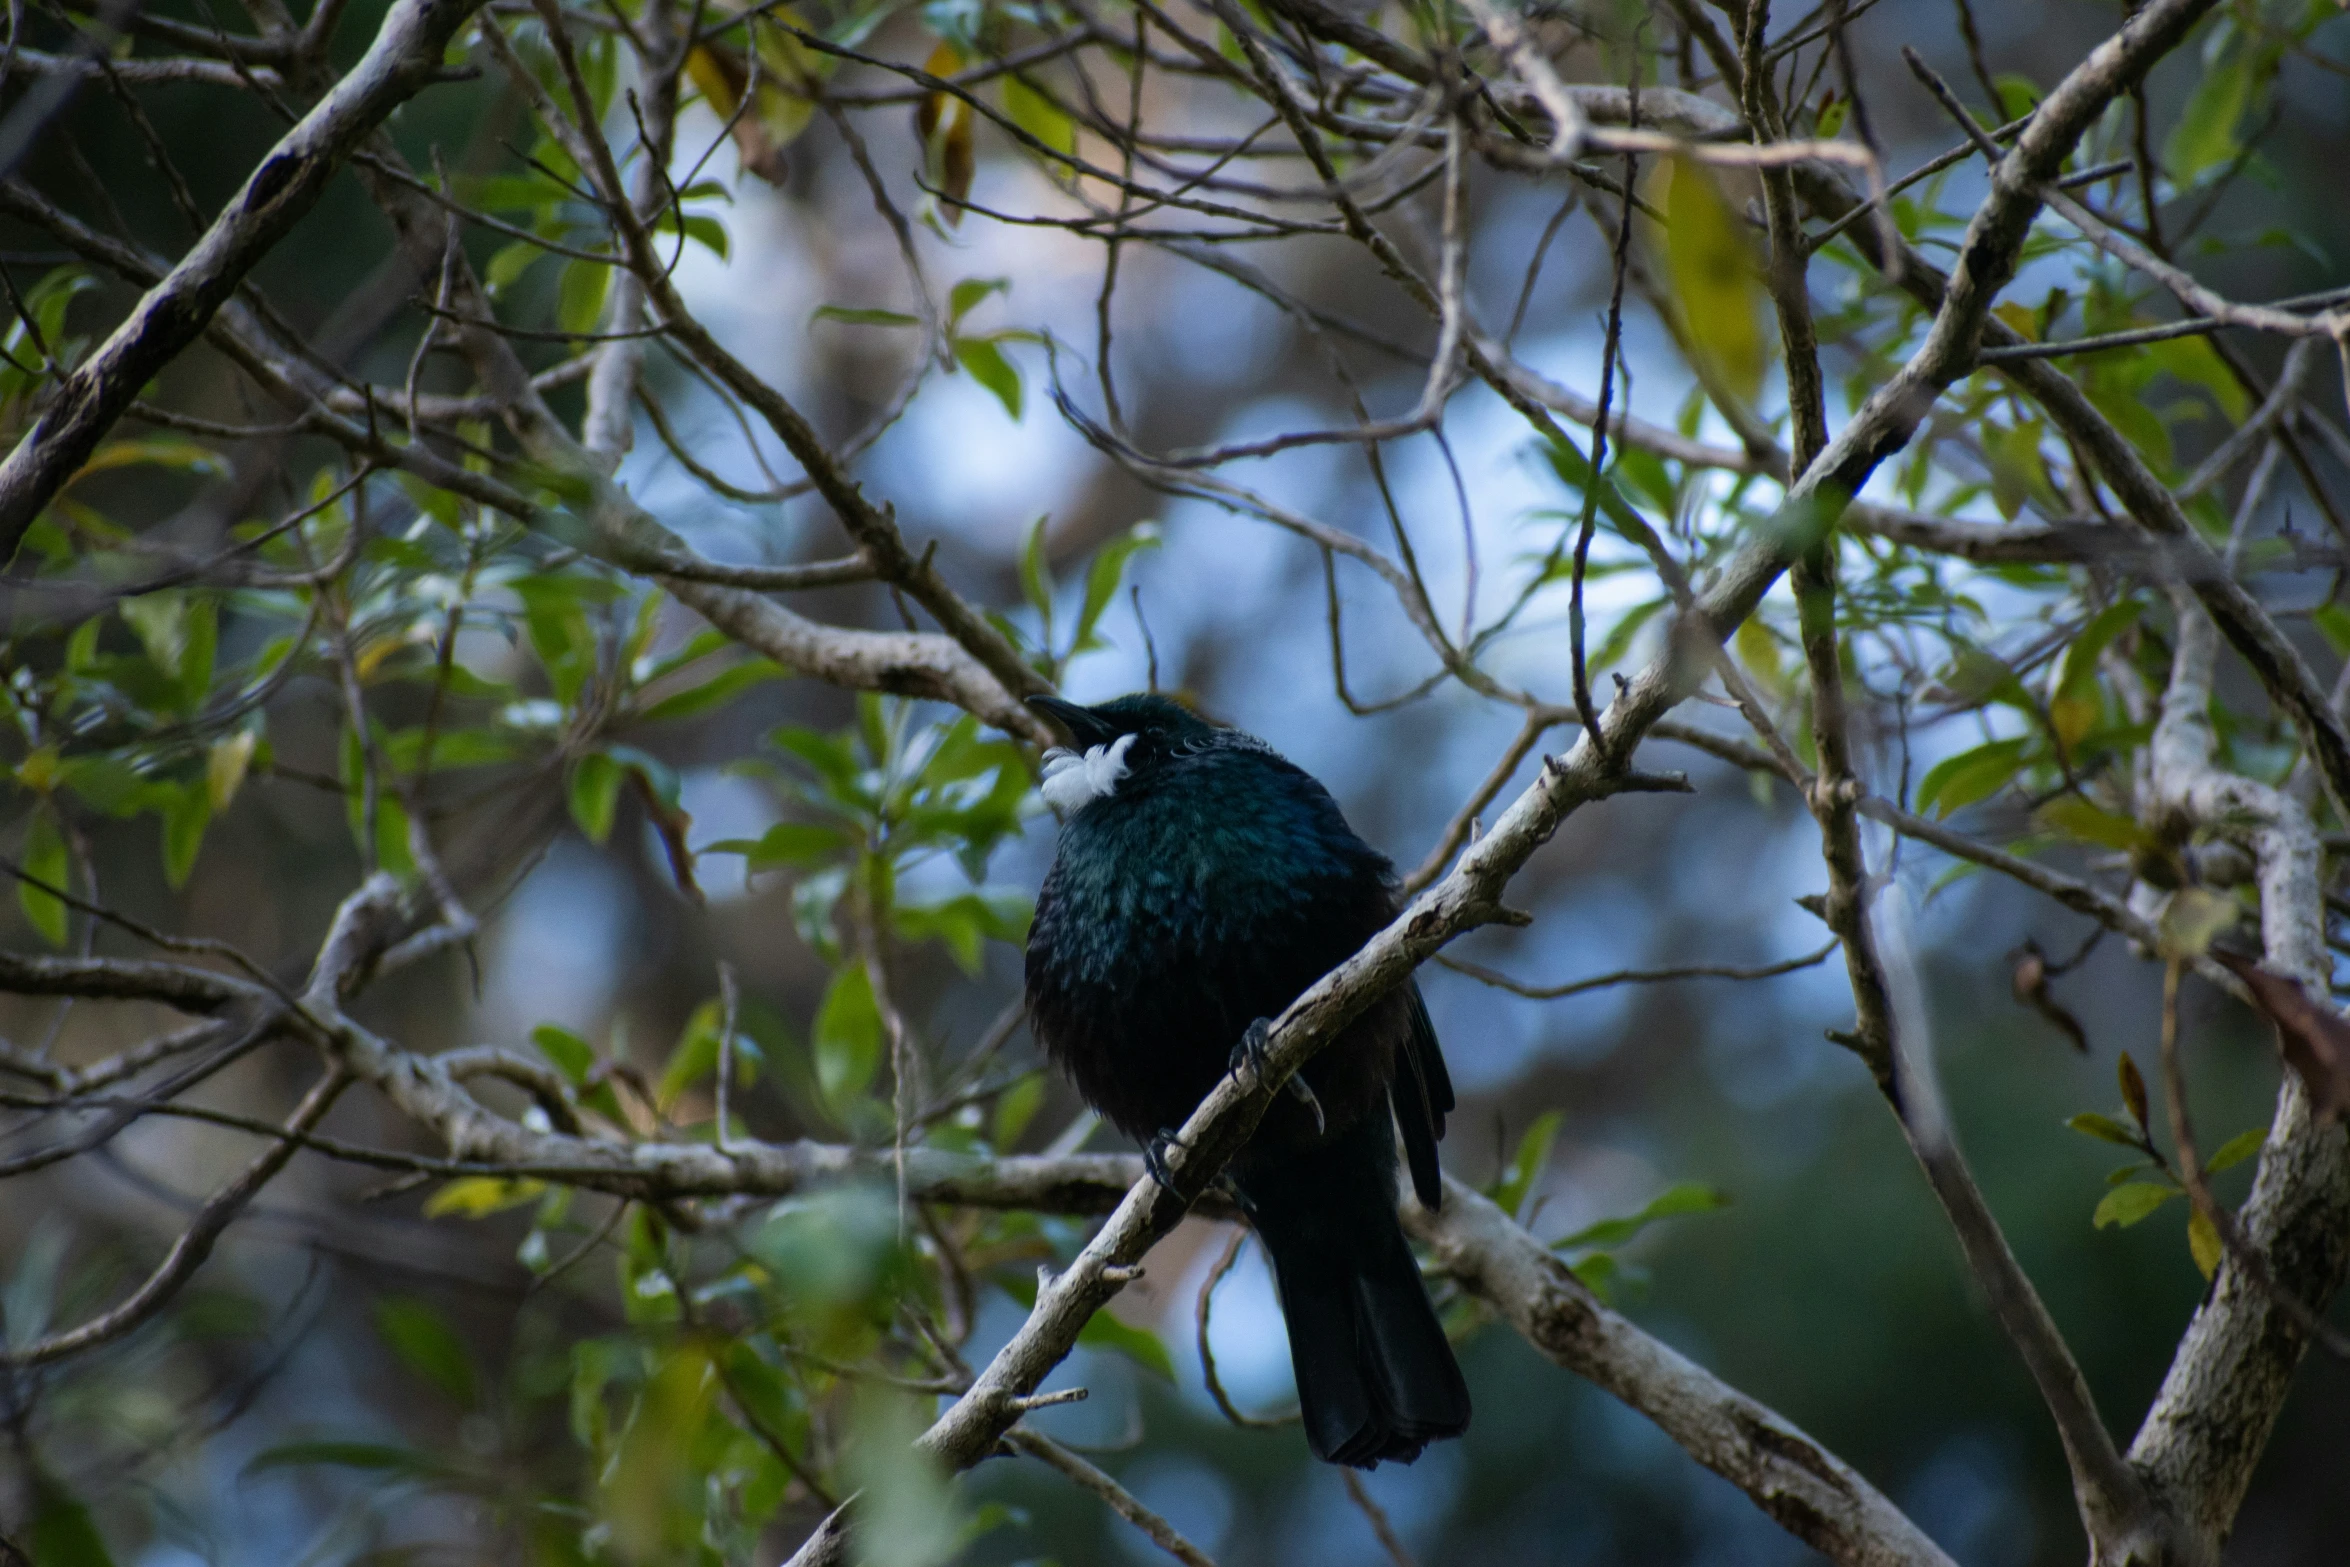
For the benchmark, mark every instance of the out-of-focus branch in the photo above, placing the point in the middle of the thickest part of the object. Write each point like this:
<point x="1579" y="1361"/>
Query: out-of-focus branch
<point x="400" y="63"/>
<point x="194" y="1245"/>
<point x="178" y="985"/>
<point x="873" y="527"/>
<point x="1156" y="1529"/>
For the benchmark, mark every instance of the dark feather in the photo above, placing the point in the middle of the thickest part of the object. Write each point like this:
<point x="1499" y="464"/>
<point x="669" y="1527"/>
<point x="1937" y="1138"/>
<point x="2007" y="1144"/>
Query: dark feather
<point x="1423" y="1097"/>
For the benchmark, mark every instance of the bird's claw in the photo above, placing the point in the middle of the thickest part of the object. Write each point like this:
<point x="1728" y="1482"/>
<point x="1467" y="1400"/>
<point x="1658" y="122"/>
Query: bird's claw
<point x="1250" y="1052"/>
<point x="1154" y="1161"/>
<point x="1299" y="1090"/>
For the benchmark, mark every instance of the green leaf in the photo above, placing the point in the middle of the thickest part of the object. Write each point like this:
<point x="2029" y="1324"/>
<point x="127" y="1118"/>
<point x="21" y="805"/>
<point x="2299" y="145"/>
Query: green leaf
<point x="573" y="1056"/>
<point x="507" y="266"/>
<point x="1106" y="572"/>
<point x="2127" y="1205"/>
<point x="2074" y="708"/>
<point x="847" y="1035"/>
<point x="2104" y="1128"/>
<point x="964" y="922"/>
<point x="863" y="315"/>
<point x="2236" y="1150"/>
<point x="1714" y="278"/>
<point x="648" y="1493"/>
<point x="1140" y="1345"/>
<point x="785" y="843"/>
<point x="1041" y="118"/>
<point x="716" y="691"/>
<point x="990" y="369"/>
<point x="198" y="655"/>
<point x="1015" y="1109"/>
<point x="1959" y="781"/>
<point x="595" y="794"/>
<point x="965" y="296"/>
<point x="2194" y="361"/>
<point x="910" y="1513"/>
<point x="2205" y="136"/>
<point x="62" y="1533"/>
<point x="160" y="621"/>
<point x="1527" y="1164"/>
<point x="696" y="1054"/>
<point x="2018" y="472"/>
<point x="1618" y="640"/>
<point x="579" y="303"/>
<point x="45" y="857"/>
<point x="428" y="1346"/>
<point x="1676" y="1201"/>
<point x="184" y="821"/>
<point x="1036" y="573"/>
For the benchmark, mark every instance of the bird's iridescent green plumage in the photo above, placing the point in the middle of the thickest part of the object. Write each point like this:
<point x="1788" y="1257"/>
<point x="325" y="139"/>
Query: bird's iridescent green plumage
<point x="1212" y="884"/>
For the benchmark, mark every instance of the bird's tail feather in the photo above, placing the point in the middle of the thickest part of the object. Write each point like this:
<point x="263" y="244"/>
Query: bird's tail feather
<point x="1376" y="1378"/>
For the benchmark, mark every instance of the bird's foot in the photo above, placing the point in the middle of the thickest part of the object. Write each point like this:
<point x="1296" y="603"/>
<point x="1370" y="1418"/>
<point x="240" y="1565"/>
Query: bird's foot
<point x="1299" y="1090"/>
<point x="1154" y="1161"/>
<point x="1250" y="1052"/>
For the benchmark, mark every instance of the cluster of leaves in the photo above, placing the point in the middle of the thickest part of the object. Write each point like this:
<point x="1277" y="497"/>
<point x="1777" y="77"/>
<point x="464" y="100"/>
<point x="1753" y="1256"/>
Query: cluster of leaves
<point x="2137" y="1191"/>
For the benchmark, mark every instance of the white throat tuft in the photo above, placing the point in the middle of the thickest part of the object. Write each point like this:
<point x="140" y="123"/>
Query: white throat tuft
<point x="1071" y="781"/>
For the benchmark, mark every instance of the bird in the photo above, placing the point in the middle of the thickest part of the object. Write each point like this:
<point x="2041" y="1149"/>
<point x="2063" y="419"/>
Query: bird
<point x="1200" y="883"/>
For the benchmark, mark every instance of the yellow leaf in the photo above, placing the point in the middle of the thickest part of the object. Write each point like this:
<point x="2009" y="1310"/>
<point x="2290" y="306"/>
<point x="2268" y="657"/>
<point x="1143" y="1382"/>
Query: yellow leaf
<point x="2072" y="717"/>
<point x="2195" y="918"/>
<point x="38" y="771"/>
<point x="2077" y="818"/>
<point x="478" y="1196"/>
<point x="778" y="112"/>
<point x="1758" y="650"/>
<point x="224" y="768"/>
<point x="372" y="657"/>
<point x="2204" y="1243"/>
<point x="1714" y="278"/>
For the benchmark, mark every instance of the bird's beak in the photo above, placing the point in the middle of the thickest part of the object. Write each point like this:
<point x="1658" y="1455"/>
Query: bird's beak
<point x="1081" y="723"/>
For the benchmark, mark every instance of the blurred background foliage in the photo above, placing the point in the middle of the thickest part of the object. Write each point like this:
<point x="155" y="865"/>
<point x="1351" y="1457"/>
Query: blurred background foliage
<point x="380" y="1368"/>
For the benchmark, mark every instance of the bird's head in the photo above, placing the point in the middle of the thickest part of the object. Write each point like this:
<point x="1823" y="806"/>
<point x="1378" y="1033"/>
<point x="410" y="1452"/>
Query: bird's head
<point x="1111" y="742"/>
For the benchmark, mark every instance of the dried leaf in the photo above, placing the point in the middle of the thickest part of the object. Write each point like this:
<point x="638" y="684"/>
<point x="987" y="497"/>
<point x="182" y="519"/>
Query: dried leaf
<point x="774" y="120"/>
<point x="2312" y="1036"/>
<point x="2031" y="988"/>
<point x="673" y="823"/>
<point x="943" y="123"/>
<point x="2133" y="1088"/>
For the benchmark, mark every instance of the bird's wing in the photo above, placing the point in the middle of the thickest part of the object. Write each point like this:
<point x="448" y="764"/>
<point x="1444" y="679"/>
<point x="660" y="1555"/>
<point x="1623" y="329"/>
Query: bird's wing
<point x="1422" y="1096"/>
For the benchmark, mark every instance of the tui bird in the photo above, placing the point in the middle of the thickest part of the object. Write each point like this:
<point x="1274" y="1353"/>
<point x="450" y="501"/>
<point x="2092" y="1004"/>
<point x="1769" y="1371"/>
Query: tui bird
<point x="1202" y="882"/>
